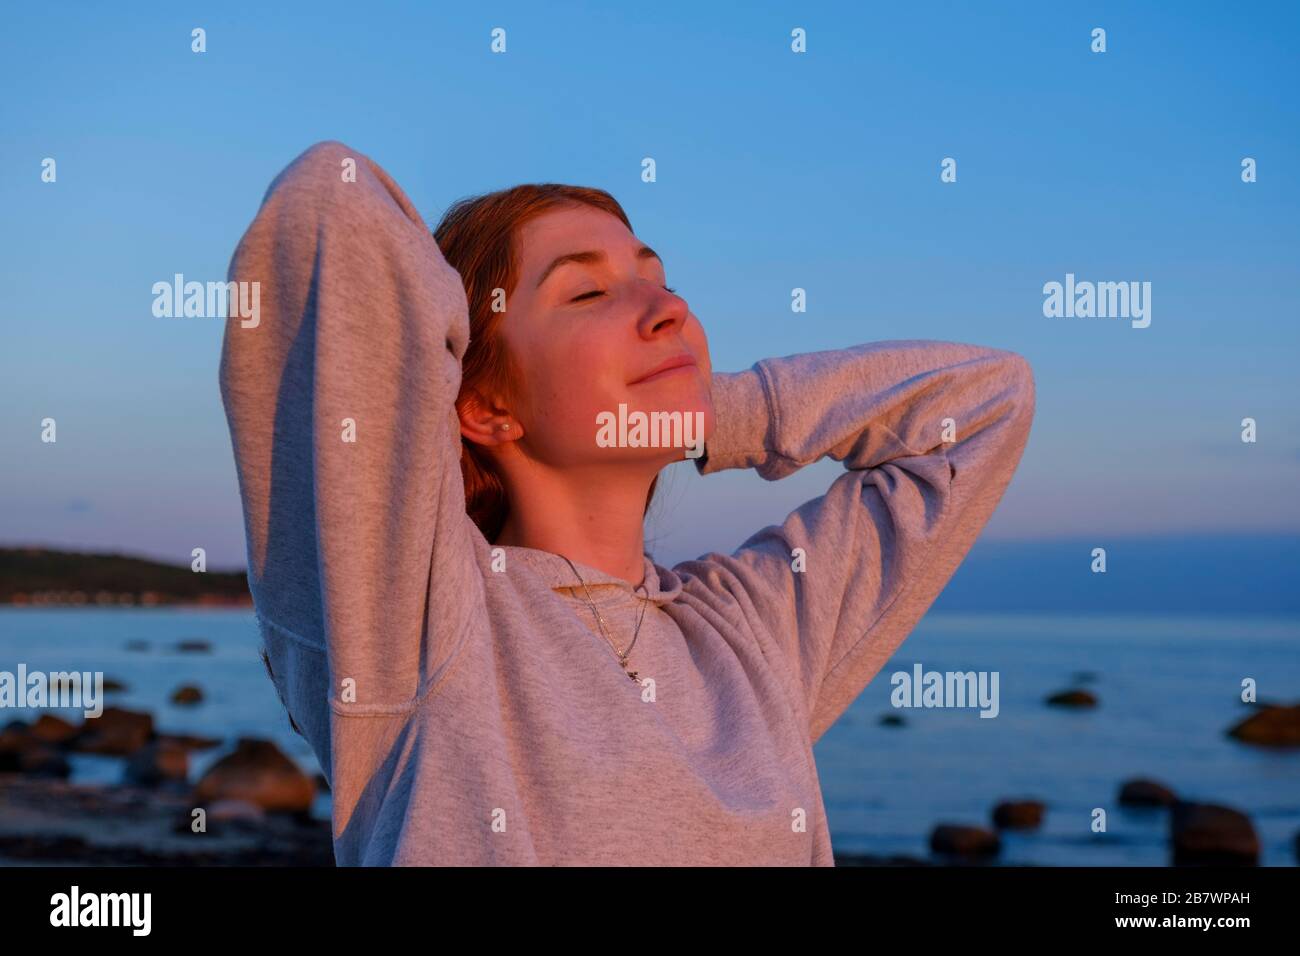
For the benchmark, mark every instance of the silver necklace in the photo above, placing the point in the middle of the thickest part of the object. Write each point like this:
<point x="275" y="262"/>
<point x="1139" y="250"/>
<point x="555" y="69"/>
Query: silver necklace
<point x="621" y="655"/>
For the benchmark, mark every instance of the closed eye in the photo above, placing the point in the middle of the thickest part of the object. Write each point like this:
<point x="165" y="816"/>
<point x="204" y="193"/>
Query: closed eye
<point x="579" y="298"/>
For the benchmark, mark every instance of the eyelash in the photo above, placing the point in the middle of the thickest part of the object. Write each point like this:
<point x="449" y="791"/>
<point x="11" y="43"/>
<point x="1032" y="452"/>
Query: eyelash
<point x="602" y="292"/>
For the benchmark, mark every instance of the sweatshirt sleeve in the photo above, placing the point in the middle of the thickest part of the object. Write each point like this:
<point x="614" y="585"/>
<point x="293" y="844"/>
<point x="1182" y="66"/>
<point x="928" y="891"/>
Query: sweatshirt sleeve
<point x="929" y="433"/>
<point x="339" y="393"/>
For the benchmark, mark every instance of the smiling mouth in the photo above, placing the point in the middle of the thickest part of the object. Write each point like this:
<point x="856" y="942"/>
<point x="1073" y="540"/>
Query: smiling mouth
<point x="665" y="373"/>
<point x="683" y="364"/>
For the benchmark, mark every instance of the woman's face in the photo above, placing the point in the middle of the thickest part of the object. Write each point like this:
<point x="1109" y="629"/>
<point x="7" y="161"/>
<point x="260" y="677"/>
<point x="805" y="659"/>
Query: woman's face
<point x="588" y="321"/>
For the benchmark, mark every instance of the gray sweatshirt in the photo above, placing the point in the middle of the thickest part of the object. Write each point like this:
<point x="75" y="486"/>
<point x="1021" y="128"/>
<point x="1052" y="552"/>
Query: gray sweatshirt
<point x="459" y="696"/>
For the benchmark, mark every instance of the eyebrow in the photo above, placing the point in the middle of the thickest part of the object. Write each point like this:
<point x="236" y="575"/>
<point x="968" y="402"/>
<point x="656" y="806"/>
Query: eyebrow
<point x="595" y="255"/>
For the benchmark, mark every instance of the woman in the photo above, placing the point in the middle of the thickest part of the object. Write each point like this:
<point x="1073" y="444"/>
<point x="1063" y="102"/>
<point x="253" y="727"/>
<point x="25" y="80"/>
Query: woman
<point x="485" y="661"/>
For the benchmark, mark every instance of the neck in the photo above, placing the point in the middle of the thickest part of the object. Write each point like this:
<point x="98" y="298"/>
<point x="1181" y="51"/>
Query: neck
<point x="593" y="518"/>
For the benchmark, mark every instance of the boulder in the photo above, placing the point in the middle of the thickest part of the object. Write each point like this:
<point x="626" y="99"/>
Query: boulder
<point x="116" y="732"/>
<point x="157" y="763"/>
<point x="1018" y="815"/>
<point x="1207" y="834"/>
<point x="1140" y="792"/>
<point x="963" y="841"/>
<point x="14" y="731"/>
<point x="53" y="730"/>
<point x="257" y="771"/>
<point x="36" y="755"/>
<point x="13" y="741"/>
<point x="1270" y="726"/>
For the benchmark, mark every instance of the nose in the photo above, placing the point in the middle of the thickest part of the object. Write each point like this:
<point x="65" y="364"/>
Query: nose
<point x="664" y="313"/>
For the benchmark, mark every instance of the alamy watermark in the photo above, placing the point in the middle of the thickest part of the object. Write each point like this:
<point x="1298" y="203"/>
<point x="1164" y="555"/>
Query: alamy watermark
<point x="922" y="688"/>
<point x="211" y="300"/>
<point x="651" y="430"/>
<point x="38" y="689"/>
<point x="130" y="910"/>
<point x="1101" y="300"/>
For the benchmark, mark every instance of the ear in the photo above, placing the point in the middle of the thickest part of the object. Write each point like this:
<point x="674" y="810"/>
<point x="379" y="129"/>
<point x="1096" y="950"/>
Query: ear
<point x="481" y="420"/>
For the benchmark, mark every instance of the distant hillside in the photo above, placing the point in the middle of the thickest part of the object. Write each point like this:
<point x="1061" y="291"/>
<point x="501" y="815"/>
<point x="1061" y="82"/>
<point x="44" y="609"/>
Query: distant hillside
<point x="40" y="576"/>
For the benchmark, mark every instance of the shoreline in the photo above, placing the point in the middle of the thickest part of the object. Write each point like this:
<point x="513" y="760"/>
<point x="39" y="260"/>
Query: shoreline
<point x="50" y="822"/>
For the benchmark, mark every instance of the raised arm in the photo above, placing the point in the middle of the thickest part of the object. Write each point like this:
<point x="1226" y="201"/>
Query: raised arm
<point x="929" y="432"/>
<point x="340" y="400"/>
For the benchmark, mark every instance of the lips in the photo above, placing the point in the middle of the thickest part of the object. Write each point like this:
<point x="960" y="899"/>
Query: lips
<point x="675" y="364"/>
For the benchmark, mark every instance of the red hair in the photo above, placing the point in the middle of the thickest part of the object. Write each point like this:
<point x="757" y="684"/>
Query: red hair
<point x="477" y="237"/>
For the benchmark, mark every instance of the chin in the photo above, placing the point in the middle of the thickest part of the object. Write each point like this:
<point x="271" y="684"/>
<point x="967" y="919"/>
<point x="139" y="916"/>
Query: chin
<point x="666" y="419"/>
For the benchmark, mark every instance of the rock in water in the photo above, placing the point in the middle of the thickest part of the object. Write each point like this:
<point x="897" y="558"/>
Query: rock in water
<point x="1018" y="815"/>
<point x="1206" y="834"/>
<point x="260" y="773"/>
<point x="1073" y="698"/>
<point x="52" y="730"/>
<point x="116" y="732"/>
<point x="971" y="842"/>
<point x="157" y="763"/>
<point x="34" y="750"/>
<point x="1145" y="793"/>
<point x="1270" y="726"/>
<point x="187" y="694"/>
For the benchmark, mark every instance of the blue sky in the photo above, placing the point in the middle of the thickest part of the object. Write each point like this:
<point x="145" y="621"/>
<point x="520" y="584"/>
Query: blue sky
<point x="775" y="170"/>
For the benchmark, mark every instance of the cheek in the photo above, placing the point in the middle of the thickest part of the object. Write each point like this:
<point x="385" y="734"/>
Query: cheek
<point x="698" y="342"/>
<point x="569" y="387"/>
<point x="577" y="375"/>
